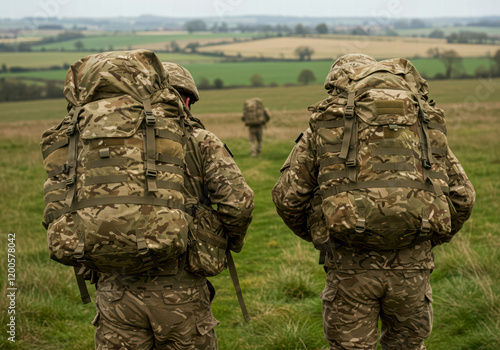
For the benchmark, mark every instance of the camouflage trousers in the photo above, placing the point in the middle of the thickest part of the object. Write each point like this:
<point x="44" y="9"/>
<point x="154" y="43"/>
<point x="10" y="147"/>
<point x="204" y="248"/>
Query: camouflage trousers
<point x="255" y="134"/>
<point x="354" y="301"/>
<point x="156" y="315"/>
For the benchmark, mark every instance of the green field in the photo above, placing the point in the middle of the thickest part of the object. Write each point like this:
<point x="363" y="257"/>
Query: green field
<point x="492" y="31"/>
<point x="240" y="73"/>
<point x="125" y="40"/>
<point x="48" y="59"/>
<point x="280" y="277"/>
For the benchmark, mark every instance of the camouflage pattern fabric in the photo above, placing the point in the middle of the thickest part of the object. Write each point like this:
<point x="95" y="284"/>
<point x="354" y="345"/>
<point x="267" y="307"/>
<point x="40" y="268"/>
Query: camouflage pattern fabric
<point x="255" y="137"/>
<point x="212" y="173"/>
<point x="154" y="312"/>
<point x="354" y="300"/>
<point x="113" y="203"/>
<point x="254" y="112"/>
<point x="366" y="284"/>
<point x="181" y="80"/>
<point x="382" y="189"/>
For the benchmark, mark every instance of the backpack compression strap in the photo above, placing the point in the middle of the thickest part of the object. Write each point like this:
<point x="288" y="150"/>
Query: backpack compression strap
<point x="237" y="287"/>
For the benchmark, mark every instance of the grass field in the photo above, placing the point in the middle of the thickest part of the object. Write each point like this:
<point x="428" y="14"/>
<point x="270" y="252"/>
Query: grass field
<point x="280" y="277"/>
<point x="332" y="46"/>
<point x="48" y="59"/>
<point x="126" y="40"/>
<point x="240" y="73"/>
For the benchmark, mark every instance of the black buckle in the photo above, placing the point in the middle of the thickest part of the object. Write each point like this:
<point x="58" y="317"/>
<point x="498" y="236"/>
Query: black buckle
<point x="151" y="172"/>
<point x="150" y="119"/>
<point x="349" y="112"/>
<point x="71" y="181"/>
<point x="351" y="162"/>
<point x="71" y="129"/>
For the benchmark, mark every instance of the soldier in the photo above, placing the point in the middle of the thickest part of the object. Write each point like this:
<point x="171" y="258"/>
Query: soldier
<point x="255" y="116"/>
<point x="169" y="307"/>
<point x="363" y="285"/>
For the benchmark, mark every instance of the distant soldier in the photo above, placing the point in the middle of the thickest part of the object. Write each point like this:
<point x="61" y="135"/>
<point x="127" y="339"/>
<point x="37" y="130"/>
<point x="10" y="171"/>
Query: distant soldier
<point x="170" y="307"/>
<point x="374" y="184"/>
<point x="255" y="116"/>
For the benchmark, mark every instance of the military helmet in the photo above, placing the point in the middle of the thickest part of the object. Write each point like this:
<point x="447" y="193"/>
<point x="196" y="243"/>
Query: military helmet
<point x="181" y="80"/>
<point x="353" y="60"/>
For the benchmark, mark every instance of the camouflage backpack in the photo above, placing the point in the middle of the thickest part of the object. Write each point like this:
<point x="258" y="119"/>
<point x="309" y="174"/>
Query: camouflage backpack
<point x="254" y="113"/>
<point x="381" y="149"/>
<point x="113" y="196"/>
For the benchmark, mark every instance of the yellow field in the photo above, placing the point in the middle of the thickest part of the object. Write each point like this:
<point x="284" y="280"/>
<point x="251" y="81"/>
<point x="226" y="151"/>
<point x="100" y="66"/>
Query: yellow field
<point x="329" y="46"/>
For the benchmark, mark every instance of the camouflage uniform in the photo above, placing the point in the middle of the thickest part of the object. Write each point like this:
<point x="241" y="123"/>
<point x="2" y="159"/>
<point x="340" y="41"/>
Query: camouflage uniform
<point x="365" y="285"/>
<point x="169" y="307"/>
<point x="256" y="130"/>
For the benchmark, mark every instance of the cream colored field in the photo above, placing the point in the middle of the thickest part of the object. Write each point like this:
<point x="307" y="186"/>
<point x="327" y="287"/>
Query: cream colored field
<point x="330" y="47"/>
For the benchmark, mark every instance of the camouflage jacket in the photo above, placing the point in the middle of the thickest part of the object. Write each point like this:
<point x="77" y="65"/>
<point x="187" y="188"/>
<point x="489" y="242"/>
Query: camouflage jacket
<point x="212" y="176"/>
<point x="295" y="189"/>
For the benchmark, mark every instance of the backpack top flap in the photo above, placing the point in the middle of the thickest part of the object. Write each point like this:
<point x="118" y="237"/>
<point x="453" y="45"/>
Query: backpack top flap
<point x="137" y="73"/>
<point x="342" y="76"/>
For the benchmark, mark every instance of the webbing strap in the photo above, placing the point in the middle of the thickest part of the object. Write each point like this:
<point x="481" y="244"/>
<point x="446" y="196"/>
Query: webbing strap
<point x="361" y="221"/>
<point x="54" y="187"/>
<point x="63" y="169"/>
<point x="55" y="146"/>
<point x="84" y="292"/>
<point x="349" y="125"/>
<point x="330" y="161"/>
<point x="427" y="186"/>
<point x="55" y="198"/>
<point x="132" y="200"/>
<point x="99" y="163"/>
<point x="331" y="149"/>
<point x="172" y="169"/>
<point x="436" y="175"/>
<point x="216" y="241"/>
<point x="333" y="175"/>
<point x="105" y="179"/>
<point x="168" y="135"/>
<point x="72" y="132"/>
<point x="393" y="167"/>
<point x="425" y="142"/>
<point x="167" y="185"/>
<point x="439" y="151"/>
<point x="392" y="151"/>
<point x="237" y="287"/>
<point x="166" y="158"/>
<point x="329" y="124"/>
<point x="150" y="143"/>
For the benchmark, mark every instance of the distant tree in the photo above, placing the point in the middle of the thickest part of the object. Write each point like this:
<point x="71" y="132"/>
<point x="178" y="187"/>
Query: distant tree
<point x="300" y="29"/>
<point x="304" y="53"/>
<point x="306" y="76"/>
<point x="496" y="62"/>
<point x="196" y="25"/>
<point x="4" y="68"/>
<point x="193" y="46"/>
<point x="436" y="33"/>
<point x="360" y="31"/>
<point x="79" y="46"/>
<point x="452" y="62"/>
<point x="256" y="80"/>
<point x="417" y="23"/>
<point x="218" y="83"/>
<point x="203" y="83"/>
<point x="54" y="91"/>
<point x="322" y="28"/>
<point x="433" y="52"/>
<point x="174" y="47"/>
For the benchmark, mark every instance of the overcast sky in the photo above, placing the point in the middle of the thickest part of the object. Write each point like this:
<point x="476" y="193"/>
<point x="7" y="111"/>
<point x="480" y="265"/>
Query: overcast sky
<point x="222" y="8"/>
